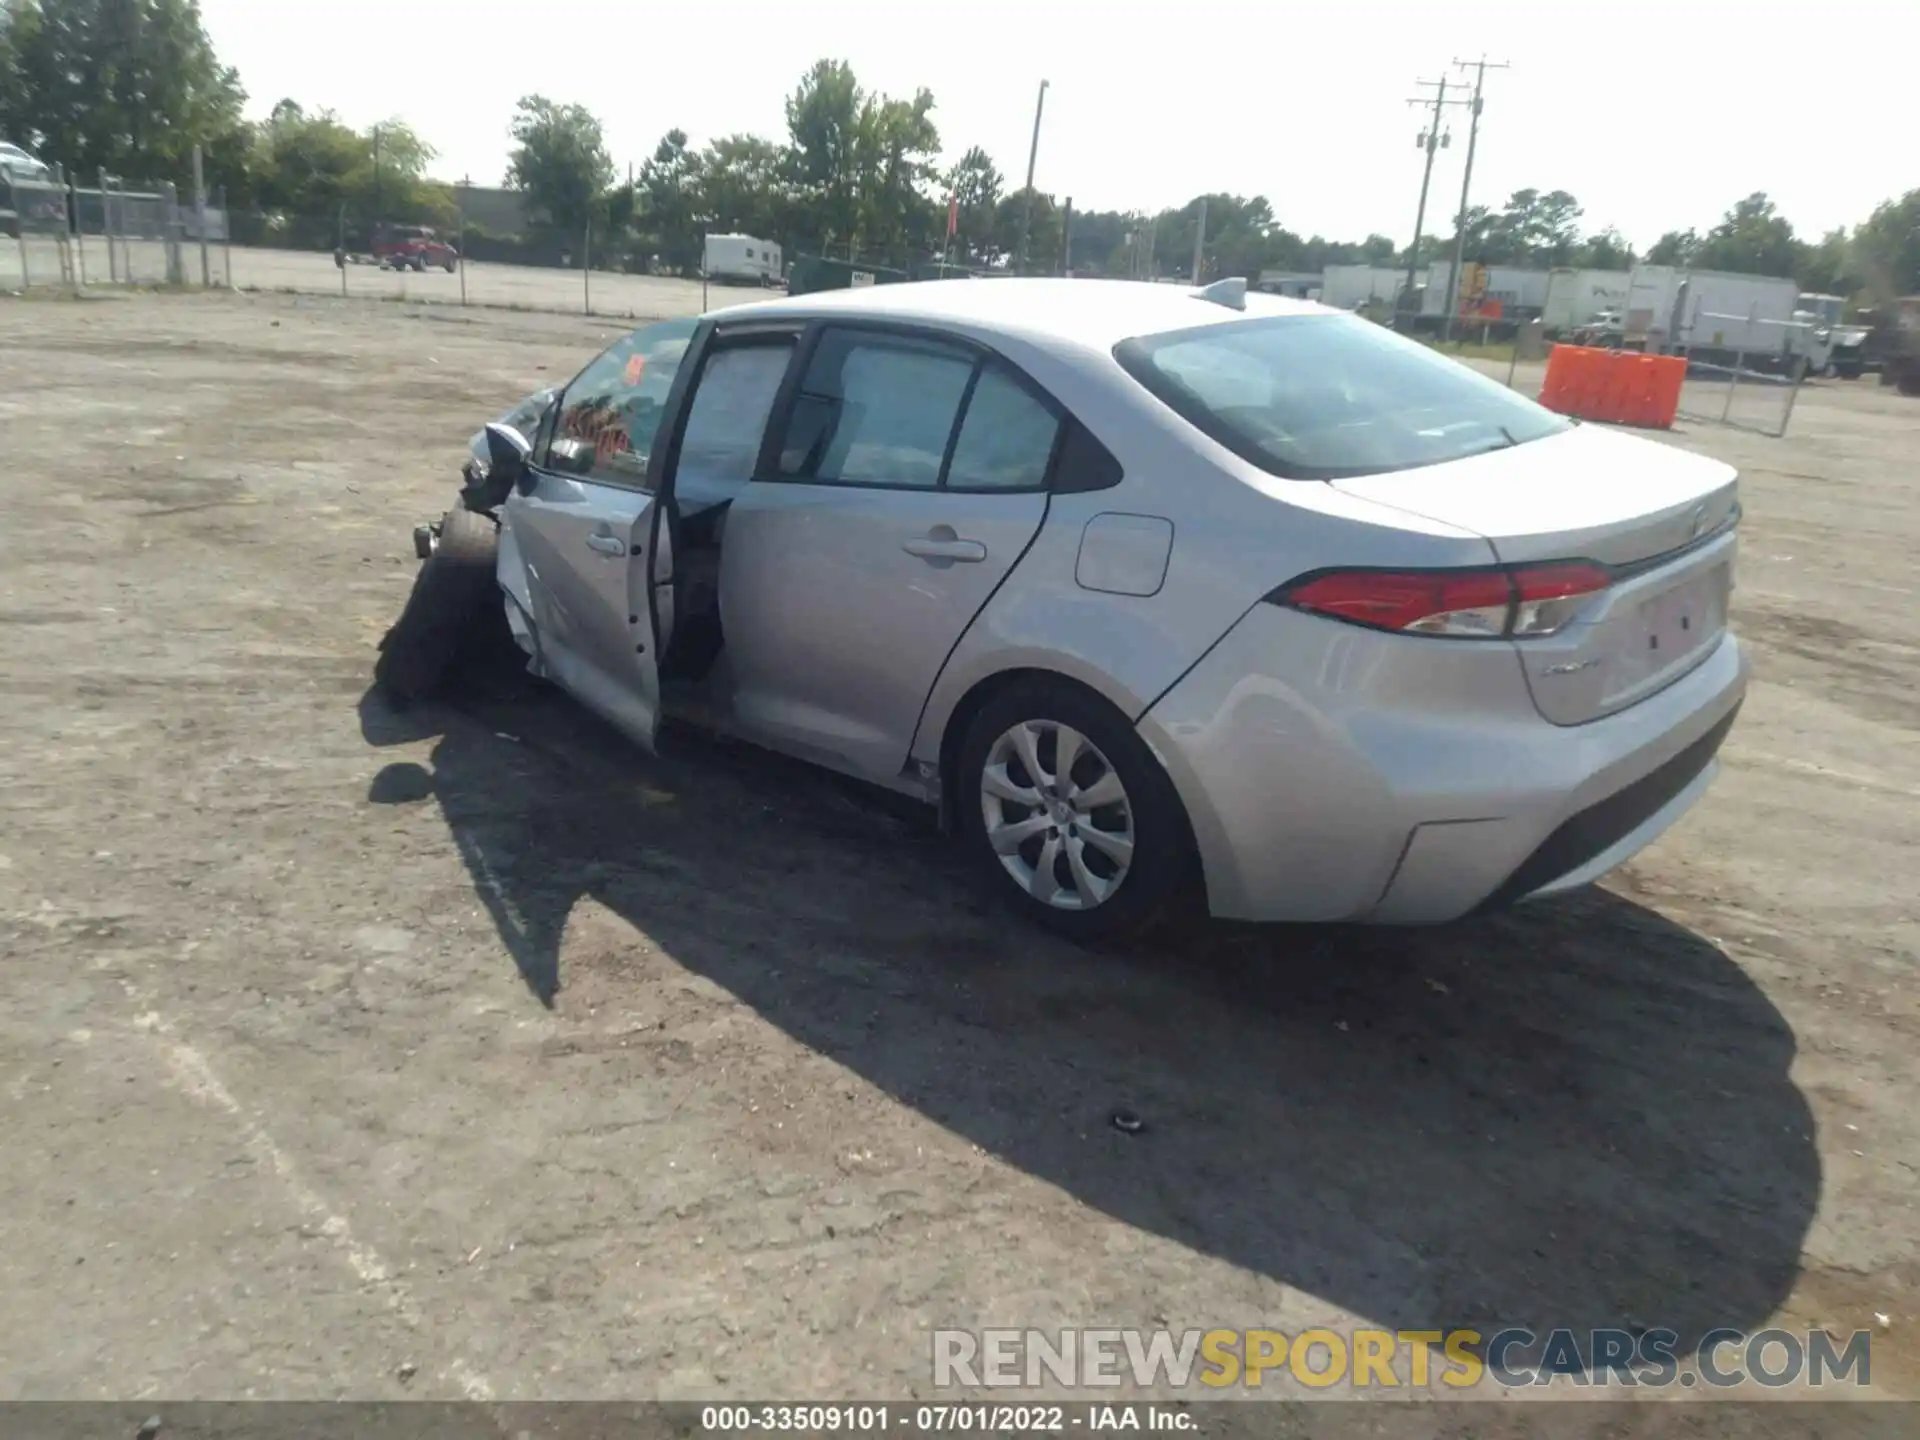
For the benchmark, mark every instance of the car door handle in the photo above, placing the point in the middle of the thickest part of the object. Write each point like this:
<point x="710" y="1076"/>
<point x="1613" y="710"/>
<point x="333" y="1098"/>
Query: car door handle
<point x="969" y="552"/>
<point x="607" y="544"/>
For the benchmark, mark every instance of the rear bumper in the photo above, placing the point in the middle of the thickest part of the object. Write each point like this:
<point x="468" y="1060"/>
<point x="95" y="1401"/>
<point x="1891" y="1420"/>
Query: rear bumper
<point x="1336" y="774"/>
<point x="1609" y="832"/>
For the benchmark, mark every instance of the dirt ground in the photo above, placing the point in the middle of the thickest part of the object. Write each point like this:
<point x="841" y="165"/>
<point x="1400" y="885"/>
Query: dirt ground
<point x="287" y="1117"/>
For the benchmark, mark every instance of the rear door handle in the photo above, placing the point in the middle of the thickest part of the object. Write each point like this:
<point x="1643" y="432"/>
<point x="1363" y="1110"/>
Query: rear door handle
<point x="969" y="552"/>
<point x="607" y="544"/>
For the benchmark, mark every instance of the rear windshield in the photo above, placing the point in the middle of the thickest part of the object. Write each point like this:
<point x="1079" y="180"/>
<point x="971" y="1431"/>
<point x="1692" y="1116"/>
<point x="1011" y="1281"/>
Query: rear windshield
<point x="1324" y="397"/>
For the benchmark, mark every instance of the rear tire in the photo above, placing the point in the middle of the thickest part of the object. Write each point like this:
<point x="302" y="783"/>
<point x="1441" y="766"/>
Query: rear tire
<point x="1115" y="867"/>
<point x="447" y="605"/>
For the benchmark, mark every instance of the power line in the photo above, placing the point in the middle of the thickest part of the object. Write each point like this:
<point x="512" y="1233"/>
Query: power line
<point x="1432" y="139"/>
<point x="1479" y="68"/>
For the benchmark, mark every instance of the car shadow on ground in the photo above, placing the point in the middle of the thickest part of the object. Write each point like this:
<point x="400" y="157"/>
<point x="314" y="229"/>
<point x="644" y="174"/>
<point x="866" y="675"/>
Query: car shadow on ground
<point x="1578" y="1114"/>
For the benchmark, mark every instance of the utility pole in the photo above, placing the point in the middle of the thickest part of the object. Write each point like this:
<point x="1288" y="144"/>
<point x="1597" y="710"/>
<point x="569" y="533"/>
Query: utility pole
<point x="1432" y="139"/>
<point x="1479" y="68"/>
<point x="1033" y="154"/>
<point x="379" y="199"/>
<point x="1200" y="241"/>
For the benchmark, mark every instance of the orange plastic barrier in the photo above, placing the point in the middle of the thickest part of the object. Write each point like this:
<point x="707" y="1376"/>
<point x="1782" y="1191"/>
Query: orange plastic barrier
<point x="1617" y="387"/>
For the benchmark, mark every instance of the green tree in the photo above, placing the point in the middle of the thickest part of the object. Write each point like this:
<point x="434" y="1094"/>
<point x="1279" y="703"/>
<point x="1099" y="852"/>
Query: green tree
<point x="741" y="185"/>
<point x="1043" y="238"/>
<point x="1100" y="242"/>
<point x="1532" y="228"/>
<point x="560" y="161"/>
<point x="1676" y="247"/>
<point x="1828" y="268"/>
<point x="1753" y="238"/>
<point x="894" y="152"/>
<point x="861" y="165"/>
<point x="1606" y="250"/>
<point x="975" y="184"/>
<point x="307" y="167"/>
<point x="823" y="124"/>
<point x="669" y="202"/>
<point x="126" y="86"/>
<point x="1887" y="249"/>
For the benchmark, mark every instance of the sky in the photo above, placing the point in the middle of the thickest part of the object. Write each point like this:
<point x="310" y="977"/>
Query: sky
<point x="1655" y="116"/>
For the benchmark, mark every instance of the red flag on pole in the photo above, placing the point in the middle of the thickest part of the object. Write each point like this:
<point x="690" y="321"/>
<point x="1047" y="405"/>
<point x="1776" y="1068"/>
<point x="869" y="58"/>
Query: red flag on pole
<point x="953" y="215"/>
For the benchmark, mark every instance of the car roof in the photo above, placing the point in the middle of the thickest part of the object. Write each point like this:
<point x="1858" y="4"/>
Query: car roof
<point x="1093" y="313"/>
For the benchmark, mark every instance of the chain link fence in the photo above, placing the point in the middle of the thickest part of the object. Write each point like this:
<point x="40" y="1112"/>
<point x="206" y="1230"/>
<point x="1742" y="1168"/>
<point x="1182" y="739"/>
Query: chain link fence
<point x="59" y="234"/>
<point x="445" y="261"/>
<point x="1745" y="391"/>
<point x="112" y="233"/>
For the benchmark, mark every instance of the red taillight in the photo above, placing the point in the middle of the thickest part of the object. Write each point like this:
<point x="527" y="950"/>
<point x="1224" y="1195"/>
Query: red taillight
<point x="1464" y="604"/>
<point x="1546" y="597"/>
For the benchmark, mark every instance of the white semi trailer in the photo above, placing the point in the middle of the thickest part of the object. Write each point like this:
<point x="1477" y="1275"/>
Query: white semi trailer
<point x="1347" y="287"/>
<point x="1574" y="297"/>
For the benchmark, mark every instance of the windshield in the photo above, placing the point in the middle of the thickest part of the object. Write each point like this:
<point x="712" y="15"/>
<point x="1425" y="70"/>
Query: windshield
<point x="1325" y="397"/>
<point x="1826" y="308"/>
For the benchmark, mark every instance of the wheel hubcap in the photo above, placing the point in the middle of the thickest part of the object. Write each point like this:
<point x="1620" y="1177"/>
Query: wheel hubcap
<point x="1057" y="815"/>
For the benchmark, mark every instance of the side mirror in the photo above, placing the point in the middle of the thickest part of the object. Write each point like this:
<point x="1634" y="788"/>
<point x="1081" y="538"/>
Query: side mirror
<point x="507" y="455"/>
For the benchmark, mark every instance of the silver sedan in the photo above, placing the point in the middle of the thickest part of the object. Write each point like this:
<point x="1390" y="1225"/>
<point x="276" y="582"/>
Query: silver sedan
<point x="1152" y="592"/>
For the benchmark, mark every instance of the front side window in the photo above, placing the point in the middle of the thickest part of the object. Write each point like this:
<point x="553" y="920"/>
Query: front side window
<point x="612" y="409"/>
<point x="1325" y="397"/>
<point x="728" y="417"/>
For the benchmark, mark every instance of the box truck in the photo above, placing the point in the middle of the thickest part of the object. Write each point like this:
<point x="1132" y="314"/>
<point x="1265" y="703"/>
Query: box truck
<point x="1575" y="297"/>
<point x="742" y="260"/>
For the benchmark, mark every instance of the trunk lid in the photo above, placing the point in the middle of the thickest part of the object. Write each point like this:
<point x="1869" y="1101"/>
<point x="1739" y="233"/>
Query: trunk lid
<point x="1660" y="518"/>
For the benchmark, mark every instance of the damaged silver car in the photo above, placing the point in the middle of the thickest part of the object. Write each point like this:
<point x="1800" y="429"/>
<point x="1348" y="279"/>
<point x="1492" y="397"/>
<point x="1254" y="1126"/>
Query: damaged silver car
<point x="1151" y="591"/>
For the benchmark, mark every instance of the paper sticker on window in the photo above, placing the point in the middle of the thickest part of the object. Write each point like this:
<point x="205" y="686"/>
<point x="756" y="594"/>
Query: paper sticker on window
<point x="636" y="365"/>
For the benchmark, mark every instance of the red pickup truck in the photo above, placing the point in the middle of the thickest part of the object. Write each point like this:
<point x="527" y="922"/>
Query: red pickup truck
<point x="414" y="247"/>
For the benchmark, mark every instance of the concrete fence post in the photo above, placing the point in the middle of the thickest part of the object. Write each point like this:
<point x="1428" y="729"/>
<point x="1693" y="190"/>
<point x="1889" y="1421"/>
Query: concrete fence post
<point x="106" y="230"/>
<point x="170" y="227"/>
<point x="460" y="238"/>
<point x="79" y="229"/>
<point x="1739" y="362"/>
<point x="200" y="216"/>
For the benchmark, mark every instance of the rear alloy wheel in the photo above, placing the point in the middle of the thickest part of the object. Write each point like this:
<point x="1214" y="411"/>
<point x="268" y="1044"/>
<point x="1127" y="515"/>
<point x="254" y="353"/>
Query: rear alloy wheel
<point x="1068" y="812"/>
<point x="1057" y="815"/>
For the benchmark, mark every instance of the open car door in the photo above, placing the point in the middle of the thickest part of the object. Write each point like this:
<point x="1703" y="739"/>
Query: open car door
<point x="584" y="552"/>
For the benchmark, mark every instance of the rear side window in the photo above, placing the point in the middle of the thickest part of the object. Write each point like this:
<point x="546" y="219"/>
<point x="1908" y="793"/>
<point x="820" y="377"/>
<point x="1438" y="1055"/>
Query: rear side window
<point x="1323" y="397"/>
<point x="916" y="414"/>
<point x="876" y="410"/>
<point x="1006" y="439"/>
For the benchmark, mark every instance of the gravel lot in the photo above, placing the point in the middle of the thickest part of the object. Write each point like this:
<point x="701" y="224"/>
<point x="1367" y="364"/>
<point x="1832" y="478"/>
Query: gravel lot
<point x="286" y="1113"/>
